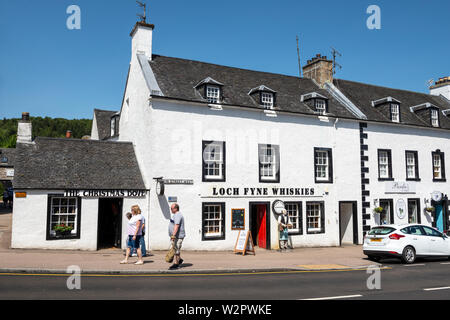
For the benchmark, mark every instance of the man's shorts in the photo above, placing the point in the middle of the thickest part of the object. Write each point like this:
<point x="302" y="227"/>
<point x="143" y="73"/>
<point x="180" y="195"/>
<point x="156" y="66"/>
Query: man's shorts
<point x="133" y="244"/>
<point x="177" y="243"/>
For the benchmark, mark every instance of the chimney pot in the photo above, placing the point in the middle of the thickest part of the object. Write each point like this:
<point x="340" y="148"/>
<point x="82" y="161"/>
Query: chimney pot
<point x="68" y="134"/>
<point x="25" y="116"/>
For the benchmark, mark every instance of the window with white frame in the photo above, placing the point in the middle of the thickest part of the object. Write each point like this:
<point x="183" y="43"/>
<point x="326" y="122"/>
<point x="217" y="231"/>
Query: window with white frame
<point x="315" y="217"/>
<point x="322" y="164"/>
<point x="268" y="163"/>
<point x="411" y="165"/>
<point x="434" y="118"/>
<point x="294" y="211"/>
<point x="321" y="106"/>
<point x="414" y="211"/>
<point x="267" y="100"/>
<point x="213" y="217"/>
<point x="438" y="169"/>
<point x="213" y="161"/>
<point x="213" y="94"/>
<point x="395" y="112"/>
<point x="384" y="164"/>
<point x="63" y="212"/>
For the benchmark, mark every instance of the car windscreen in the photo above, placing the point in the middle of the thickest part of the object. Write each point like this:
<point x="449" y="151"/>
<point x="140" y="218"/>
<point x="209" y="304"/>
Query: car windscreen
<point x="381" y="231"/>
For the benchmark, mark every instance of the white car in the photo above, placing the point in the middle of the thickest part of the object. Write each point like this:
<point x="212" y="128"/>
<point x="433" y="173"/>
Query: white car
<point x="407" y="242"/>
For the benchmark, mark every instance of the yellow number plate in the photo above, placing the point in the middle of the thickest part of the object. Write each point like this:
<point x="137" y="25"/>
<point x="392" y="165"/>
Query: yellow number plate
<point x="375" y="240"/>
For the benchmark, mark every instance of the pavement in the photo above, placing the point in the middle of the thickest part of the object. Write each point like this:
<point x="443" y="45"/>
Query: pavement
<point x="195" y="262"/>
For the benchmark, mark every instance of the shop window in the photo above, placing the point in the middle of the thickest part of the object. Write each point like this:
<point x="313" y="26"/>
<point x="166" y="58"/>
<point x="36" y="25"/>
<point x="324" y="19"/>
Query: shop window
<point x="63" y="220"/>
<point x="294" y="211"/>
<point x="387" y="215"/>
<point x="269" y="163"/>
<point x="323" y="166"/>
<point x="315" y="217"/>
<point x="213" y="221"/>
<point x="414" y="211"/>
<point x="213" y="161"/>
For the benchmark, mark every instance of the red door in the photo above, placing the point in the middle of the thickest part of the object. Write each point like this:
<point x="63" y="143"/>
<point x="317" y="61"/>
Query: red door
<point x="261" y="218"/>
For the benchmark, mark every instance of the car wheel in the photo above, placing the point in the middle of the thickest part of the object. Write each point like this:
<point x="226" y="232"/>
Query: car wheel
<point x="409" y="255"/>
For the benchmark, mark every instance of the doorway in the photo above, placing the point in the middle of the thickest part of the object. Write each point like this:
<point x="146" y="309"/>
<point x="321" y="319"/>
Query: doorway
<point x="259" y="221"/>
<point x="439" y="217"/>
<point x="109" y="223"/>
<point x="348" y="222"/>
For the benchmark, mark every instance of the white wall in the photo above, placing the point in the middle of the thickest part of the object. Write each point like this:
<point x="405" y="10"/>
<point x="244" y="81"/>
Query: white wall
<point x="399" y="139"/>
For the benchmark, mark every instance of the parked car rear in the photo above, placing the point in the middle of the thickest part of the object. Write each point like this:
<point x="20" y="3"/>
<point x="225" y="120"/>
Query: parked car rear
<point x="406" y="242"/>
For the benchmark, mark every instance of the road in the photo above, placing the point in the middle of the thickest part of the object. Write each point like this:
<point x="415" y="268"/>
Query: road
<point x="423" y="280"/>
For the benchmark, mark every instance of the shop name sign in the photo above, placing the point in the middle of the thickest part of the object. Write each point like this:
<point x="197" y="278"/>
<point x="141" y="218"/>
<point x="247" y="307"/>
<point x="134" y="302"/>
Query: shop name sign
<point x="400" y="187"/>
<point x="274" y="191"/>
<point x="115" y="193"/>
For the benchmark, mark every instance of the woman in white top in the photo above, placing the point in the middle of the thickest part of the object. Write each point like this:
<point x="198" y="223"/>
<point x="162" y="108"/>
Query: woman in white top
<point x="134" y="235"/>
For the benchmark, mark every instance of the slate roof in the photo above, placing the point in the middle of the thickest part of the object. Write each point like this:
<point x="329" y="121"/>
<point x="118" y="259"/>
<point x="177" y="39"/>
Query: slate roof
<point x="103" y="118"/>
<point x="177" y="78"/>
<point x="55" y="163"/>
<point x="9" y="154"/>
<point x="362" y="95"/>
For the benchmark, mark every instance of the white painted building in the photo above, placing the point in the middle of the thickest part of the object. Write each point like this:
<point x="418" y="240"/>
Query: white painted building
<point x="227" y="143"/>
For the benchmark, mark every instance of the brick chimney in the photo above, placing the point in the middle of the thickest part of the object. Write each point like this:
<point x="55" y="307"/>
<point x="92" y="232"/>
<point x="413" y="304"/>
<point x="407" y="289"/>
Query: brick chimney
<point x="319" y="69"/>
<point x="441" y="87"/>
<point x="24" y="129"/>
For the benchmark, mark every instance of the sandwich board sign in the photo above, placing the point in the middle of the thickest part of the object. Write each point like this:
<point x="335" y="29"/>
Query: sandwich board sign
<point x="244" y="243"/>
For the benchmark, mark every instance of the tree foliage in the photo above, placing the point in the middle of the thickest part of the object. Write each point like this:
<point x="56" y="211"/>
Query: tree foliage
<point x="44" y="127"/>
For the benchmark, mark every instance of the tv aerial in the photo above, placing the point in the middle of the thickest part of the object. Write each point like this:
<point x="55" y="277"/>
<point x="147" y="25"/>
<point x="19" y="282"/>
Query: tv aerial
<point x="430" y="83"/>
<point x="144" y="7"/>
<point x="335" y="53"/>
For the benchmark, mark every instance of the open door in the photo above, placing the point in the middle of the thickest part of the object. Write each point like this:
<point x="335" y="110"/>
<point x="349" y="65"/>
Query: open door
<point x="109" y="223"/>
<point x="348" y="223"/>
<point x="260" y="224"/>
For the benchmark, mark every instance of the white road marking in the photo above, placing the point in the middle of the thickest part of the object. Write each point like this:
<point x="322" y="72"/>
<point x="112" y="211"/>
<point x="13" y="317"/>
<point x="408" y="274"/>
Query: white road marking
<point x="435" y="289"/>
<point x="333" y="298"/>
<point x="415" y="265"/>
<point x="445" y="263"/>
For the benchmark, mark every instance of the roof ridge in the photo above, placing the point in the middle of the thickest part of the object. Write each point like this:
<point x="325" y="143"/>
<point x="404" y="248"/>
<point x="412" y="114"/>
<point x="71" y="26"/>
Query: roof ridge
<point x="83" y="140"/>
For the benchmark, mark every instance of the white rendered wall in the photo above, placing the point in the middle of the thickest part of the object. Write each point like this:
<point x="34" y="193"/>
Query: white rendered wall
<point x="399" y="139"/>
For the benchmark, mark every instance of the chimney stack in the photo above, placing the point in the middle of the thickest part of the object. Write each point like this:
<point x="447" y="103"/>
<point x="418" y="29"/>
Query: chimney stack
<point x="319" y="69"/>
<point x="24" y="129"/>
<point x="441" y="87"/>
<point x="141" y="39"/>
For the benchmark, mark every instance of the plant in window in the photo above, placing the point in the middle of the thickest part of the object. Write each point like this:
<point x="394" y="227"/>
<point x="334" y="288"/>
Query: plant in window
<point x="62" y="229"/>
<point x="378" y="210"/>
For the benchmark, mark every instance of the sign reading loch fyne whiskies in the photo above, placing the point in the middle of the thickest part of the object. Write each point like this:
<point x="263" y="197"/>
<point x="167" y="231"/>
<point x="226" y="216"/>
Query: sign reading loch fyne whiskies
<point x="274" y="191"/>
<point x="117" y="193"/>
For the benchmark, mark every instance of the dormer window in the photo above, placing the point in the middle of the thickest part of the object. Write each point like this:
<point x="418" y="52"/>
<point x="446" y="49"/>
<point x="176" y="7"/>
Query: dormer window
<point x="434" y="117"/>
<point x="115" y="125"/>
<point x="267" y="100"/>
<point x="265" y="96"/>
<point x="321" y="106"/>
<point x="213" y="94"/>
<point x="210" y="90"/>
<point x="395" y="112"/>
<point x="317" y="102"/>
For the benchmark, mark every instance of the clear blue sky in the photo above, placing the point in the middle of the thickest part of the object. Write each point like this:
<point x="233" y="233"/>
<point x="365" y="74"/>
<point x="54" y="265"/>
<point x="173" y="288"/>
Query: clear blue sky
<point x="48" y="70"/>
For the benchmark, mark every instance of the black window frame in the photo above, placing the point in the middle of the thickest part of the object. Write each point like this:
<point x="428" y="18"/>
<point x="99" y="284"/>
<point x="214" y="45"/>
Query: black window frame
<point x="300" y="215"/>
<point x="442" y="156"/>
<point x="322" y="217"/>
<point x="330" y="165"/>
<point x="419" y="216"/>
<point x="277" y="164"/>
<point x="391" y="211"/>
<point x="416" y="170"/>
<point x="321" y="99"/>
<point x="204" y="178"/>
<point x="390" y="176"/>
<point x="221" y="237"/>
<point x="49" y="236"/>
